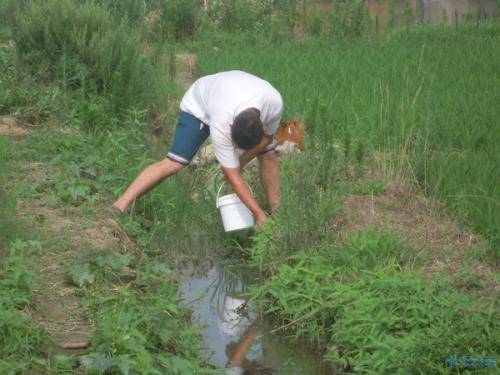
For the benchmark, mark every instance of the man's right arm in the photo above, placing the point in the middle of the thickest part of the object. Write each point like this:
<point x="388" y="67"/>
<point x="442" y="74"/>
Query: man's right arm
<point x="241" y="189"/>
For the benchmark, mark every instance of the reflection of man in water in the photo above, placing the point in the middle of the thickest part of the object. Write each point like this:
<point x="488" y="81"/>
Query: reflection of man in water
<point x="237" y="322"/>
<point x="237" y="352"/>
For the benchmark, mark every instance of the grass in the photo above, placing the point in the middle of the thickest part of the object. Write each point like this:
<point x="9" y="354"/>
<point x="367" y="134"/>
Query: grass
<point x="427" y="96"/>
<point x="131" y="298"/>
<point x="21" y="340"/>
<point x="372" y="313"/>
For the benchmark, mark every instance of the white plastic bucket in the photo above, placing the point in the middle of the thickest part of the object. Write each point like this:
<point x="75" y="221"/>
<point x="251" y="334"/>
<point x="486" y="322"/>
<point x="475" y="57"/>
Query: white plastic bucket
<point x="235" y="215"/>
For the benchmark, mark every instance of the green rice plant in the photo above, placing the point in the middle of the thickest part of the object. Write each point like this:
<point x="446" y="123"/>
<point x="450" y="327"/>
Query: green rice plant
<point x="392" y="19"/>
<point x="349" y="19"/>
<point x="239" y="15"/>
<point x="400" y="95"/>
<point x="408" y="17"/>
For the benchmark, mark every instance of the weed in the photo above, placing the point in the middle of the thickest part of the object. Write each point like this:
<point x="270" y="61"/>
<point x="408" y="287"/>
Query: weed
<point x="21" y="340"/>
<point x="373" y="318"/>
<point x="140" y="324"/>
<point x="88" y="50"/>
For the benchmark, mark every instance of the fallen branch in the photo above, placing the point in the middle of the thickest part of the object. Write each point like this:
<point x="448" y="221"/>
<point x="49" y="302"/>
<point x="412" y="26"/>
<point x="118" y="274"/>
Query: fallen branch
<point x="75" y="345"/>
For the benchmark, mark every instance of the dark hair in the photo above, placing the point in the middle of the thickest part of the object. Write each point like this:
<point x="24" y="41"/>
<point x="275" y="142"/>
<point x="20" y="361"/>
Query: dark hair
<point x="247" y="130"/>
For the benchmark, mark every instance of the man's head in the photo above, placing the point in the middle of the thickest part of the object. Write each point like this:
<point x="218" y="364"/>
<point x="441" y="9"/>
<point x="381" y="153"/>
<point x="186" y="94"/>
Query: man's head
<point x="247" y="130"/>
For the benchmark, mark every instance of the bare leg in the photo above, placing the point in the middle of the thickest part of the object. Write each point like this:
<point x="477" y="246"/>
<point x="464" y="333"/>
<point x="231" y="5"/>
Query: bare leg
<point x="270" y="178"/>
<point x="147" y="179"/>
<point x="243" y="346"/>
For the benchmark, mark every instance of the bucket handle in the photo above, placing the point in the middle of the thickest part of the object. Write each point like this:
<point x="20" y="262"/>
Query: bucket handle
<point x="224" y="182"/>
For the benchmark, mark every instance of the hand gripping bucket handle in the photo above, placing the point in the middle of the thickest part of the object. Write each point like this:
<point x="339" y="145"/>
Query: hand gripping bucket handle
<point x="222" y="185"/>
<point x="235" y="215"/>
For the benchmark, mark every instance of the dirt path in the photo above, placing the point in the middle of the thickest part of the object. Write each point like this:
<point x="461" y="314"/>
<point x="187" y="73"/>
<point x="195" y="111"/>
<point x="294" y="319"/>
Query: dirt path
<point x="9" y="126"/>
<point x="68" y="235"/>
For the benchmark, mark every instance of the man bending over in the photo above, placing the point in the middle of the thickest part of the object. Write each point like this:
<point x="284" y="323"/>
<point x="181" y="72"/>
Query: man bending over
<point x="241" y="113"/>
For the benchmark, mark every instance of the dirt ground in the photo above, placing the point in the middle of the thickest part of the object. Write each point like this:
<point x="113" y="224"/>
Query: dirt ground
<point x="68" y="236"/>
<point x="440" y="242"/>
<point x="10" y="126"/>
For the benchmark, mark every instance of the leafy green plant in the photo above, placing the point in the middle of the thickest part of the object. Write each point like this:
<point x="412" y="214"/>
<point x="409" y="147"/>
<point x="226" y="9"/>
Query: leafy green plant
<point x="309" y="198"/>
<point x="141" y="327"/>
<point x="375" y="319"/>
<point x="81" y="274"/>
<point x="21" y="341"/>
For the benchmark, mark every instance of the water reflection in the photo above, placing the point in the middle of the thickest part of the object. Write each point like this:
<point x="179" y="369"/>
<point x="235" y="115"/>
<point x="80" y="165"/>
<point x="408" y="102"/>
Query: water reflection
<point x="234" y="335"/>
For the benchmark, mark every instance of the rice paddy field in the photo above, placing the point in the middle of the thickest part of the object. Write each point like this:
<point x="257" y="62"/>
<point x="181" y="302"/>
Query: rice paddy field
<point x="428" y="97"/>
<point x="383" y="256"/>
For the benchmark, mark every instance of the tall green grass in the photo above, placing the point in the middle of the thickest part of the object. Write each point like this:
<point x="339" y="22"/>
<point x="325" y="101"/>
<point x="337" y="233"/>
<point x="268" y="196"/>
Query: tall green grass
<point x="427" y="95"/>
<point x="86" y="49"/>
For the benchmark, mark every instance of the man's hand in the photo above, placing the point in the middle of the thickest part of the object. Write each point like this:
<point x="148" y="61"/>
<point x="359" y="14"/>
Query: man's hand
<point x="260" y="220"/>
<point x="233" y="176"/>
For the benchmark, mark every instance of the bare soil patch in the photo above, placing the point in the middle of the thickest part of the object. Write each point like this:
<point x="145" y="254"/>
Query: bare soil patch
<point x="68" y="237"/>
<point x="10" y="126"/>
<point x="439" y="241"/>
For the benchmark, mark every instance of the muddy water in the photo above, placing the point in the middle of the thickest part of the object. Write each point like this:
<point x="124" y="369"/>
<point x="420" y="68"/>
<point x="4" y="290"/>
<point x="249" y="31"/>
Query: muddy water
<point x="433" y="11"/>
<point x="234" y="334"/>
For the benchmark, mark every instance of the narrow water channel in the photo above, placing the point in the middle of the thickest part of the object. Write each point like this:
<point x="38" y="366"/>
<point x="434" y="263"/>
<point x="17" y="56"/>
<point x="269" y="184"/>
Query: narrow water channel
<point x="234" y="335"/>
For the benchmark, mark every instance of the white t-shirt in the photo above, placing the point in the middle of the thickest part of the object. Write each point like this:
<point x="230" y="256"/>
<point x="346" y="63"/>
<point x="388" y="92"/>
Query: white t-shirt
<point x="218" y="98"/>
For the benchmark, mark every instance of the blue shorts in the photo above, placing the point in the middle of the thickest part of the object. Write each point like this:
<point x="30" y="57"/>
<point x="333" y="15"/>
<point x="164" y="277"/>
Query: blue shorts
<point x="190" y="134"/>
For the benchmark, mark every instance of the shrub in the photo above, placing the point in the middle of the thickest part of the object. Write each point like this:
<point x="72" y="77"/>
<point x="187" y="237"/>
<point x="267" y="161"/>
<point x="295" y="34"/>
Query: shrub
<point x="133" y="11"/>
<point x="177" y="19"/>
<point x="239" y="15"/>
<point x="350" y="19"/>
<point x="81" y="45"/>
